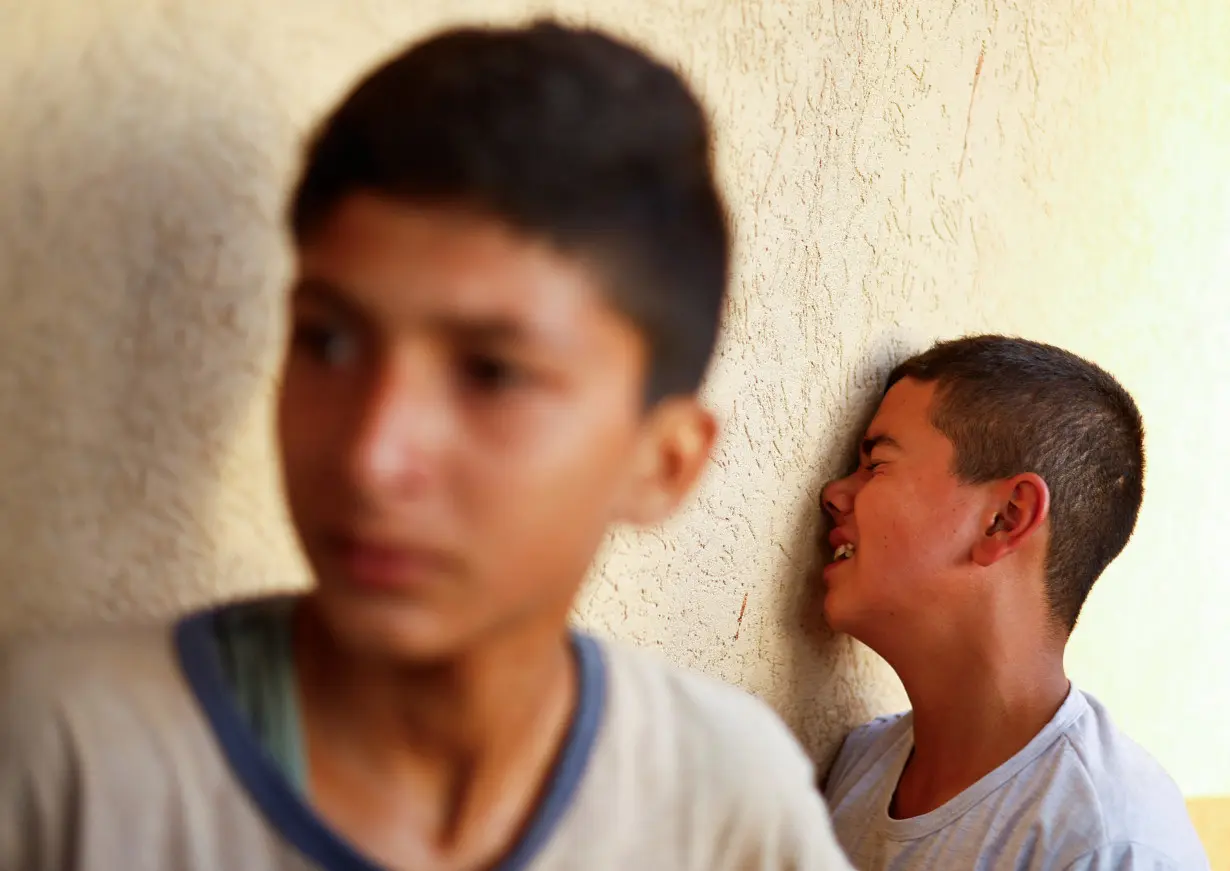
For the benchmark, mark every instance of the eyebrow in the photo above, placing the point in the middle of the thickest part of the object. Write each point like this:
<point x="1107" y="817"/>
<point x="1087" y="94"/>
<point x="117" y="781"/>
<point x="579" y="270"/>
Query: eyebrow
<point x="870" y="443"/>
<point x="324" y="293"/>
<point x="490" y="331"/>
<point x="479" y="330"/>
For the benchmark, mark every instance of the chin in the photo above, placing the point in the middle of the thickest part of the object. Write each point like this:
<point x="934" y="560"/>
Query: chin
<point x="375" y="628"/>
<point x="838" y="613"/>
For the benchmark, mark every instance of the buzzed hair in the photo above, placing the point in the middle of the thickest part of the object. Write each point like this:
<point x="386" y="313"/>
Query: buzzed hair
<point x="1011" y="406"/>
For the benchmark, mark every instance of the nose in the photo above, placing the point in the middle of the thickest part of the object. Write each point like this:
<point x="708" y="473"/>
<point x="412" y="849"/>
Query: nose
<point x="838" y="496"/>
<point x="401" y="431"/>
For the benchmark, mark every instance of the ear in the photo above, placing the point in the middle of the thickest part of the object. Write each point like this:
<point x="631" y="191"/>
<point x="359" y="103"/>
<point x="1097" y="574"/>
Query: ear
<point x="674" y="447"/>
<point x="1020" y="508"/>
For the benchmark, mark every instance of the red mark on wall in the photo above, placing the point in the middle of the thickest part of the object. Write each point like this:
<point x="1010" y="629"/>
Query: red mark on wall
<point x="742" y="611"/>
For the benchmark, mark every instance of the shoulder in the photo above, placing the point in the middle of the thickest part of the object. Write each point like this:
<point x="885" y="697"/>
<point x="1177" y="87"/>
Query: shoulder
<point x="66" y="672"/>
<point x="880" y="731"/>
<point x="863" y="747"/>
<point x="704" y="717"/>
<point x="728" y="762"/>
<point x="60" y="697"/>
<point x="1132" y="807"/>
<point x="1133" y="856"/>
<point x="74" y="722"/>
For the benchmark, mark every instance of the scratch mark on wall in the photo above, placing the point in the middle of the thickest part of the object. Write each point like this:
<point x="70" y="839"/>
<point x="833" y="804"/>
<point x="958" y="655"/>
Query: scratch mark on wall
<point x="739" y="623"/>
<point x="1029" y="53"/>
<point x="969" y="115"/>
<point x="768" y="180"/>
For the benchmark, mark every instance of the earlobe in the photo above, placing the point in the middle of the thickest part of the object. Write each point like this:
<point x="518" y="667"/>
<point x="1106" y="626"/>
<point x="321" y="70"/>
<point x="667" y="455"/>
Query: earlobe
<point x="674" y="450"/>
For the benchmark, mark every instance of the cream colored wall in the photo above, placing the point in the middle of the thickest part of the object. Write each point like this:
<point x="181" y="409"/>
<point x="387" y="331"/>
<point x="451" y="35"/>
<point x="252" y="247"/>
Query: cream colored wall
<point x="897" y="171"/>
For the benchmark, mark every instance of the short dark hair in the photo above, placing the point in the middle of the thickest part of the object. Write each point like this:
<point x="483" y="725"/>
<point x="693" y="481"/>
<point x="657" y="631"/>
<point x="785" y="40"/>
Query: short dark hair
<point x="1011" y="406"/>
<point x="562" y="133"/>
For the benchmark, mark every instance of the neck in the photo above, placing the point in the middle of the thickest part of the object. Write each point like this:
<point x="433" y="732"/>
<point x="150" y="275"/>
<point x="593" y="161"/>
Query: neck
<point x="434" y="765"/>
<point x="967" y="705"/>
<point x="977" y="699"/>
<point x="459" y="707"/>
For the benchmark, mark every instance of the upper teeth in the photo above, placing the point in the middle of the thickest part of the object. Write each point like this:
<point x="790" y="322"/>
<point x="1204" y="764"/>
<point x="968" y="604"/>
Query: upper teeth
<point x="844" y="552"/>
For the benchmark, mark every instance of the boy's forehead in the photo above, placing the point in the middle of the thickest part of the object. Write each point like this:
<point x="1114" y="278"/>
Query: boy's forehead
<point x="904" y="410"/>
<point x="406" y="244"/>
<point x="391" y="260"/>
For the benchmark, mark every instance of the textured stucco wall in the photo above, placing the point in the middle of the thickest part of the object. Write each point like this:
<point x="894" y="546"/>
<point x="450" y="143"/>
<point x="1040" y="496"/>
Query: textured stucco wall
<point x="897" y="171"/>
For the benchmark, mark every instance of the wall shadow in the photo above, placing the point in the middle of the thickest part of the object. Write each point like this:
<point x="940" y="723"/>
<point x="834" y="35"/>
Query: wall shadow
<point x="832" y="683"/>
<point x="141" y="268"/>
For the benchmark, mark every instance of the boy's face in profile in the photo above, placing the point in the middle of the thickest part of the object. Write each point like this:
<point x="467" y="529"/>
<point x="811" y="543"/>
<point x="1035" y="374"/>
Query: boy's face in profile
<point x="461" y="418"/>
<point x="904" y="519"/>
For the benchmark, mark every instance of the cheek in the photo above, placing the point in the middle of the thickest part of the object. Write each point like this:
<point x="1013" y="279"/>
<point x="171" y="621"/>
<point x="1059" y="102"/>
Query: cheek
<point x="295" y="423"/>
<point x="552" y="484"/>
<point x="551" y="442"/>
<point x="292" y="427"/>
<point x="896" y="528"/>
<point x="557" y="471"/>
<point x="310" y="429"/>
<point x="535" y="520"/>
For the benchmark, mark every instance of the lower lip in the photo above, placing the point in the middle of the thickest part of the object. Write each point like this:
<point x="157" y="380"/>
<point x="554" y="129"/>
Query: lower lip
<point x="384" y="570"/>
<point x="835" y="564"/>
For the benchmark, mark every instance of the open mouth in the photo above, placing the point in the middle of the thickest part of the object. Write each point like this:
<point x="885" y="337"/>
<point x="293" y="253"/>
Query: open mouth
<point x="845" y="552"/>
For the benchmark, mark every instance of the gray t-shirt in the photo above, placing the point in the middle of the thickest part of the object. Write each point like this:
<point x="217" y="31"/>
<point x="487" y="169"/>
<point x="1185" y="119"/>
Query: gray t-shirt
<point x="133" y="751"/>
<point x="1080" y="795"/>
